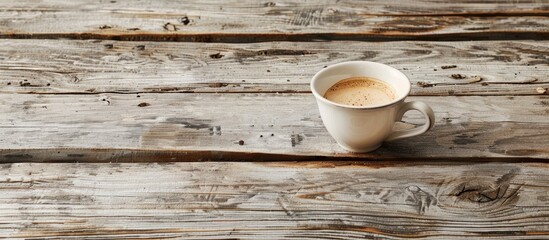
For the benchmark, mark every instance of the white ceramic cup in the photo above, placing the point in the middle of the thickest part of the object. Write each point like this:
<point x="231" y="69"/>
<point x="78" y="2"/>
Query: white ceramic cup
<point x="364" y="129"/>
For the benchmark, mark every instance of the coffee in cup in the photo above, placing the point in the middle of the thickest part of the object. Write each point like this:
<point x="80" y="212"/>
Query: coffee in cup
<point x="360" y="91"/>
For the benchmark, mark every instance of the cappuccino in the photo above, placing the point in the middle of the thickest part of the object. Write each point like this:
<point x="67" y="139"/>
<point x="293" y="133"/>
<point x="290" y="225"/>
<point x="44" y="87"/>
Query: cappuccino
<point x="360" y="91"/>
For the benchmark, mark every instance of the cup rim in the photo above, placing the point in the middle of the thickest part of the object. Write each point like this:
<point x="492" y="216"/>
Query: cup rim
<point x="323" y="99"/>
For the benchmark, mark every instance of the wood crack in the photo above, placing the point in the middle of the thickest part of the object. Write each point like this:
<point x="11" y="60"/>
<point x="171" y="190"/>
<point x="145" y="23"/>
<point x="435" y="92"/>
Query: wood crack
<point x="293" y="37"/>
<point x="469" y="14"/>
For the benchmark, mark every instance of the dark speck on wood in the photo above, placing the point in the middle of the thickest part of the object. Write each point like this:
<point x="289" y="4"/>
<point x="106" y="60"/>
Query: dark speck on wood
<point x="424" y="84"/>
<point x="448" y="66"/>
<point x="217" y="85"/>
<point x="241" y="142"/>
<point x="105" y="27"/>
<point x="464" y="139"/>
<point x="17" y="156"/>
<point x="170" y="27"/>
<point x="193" y="123"/>
<point x="275" y="52"/>
<point x="458" y="76"/>
<point x="143" y="104"/>
<point x="140" y="47"/>
<point x="133" y="29"/>
<point x="185" y="20"/>
<point x="108" y="46"/>
<point x="296" y="139"/>
<point x="216" y="55"/>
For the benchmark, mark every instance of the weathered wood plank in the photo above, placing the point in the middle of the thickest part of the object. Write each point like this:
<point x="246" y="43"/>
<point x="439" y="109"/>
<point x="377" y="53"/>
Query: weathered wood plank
<point x="251" y="21"/>
<point x="209" y="125"/>
<point x="69" y="66"/>
<point x="306" y="200"/>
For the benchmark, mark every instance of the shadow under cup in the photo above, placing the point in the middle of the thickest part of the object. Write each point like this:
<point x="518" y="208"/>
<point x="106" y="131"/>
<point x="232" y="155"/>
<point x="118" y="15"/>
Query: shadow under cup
<point x="360" y="128"/>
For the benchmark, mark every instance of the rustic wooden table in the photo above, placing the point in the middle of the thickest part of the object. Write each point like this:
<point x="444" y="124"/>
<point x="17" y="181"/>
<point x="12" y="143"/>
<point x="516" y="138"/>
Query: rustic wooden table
<point x="165" y="119"/>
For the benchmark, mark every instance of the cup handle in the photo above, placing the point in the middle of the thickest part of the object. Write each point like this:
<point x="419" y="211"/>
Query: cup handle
<point x="423" y="108"/>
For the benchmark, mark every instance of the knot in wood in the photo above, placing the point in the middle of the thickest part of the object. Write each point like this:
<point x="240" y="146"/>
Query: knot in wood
<point x="478" y="192"/>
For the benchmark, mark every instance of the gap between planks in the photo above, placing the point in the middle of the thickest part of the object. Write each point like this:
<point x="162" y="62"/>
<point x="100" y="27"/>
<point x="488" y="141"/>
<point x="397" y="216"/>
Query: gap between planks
<point x="289" y="37"/>
<point x="115" y="155"/>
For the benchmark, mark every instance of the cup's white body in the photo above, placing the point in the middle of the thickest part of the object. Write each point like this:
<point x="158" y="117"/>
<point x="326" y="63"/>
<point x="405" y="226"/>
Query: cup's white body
<point x="358" y="131"/>
<point x="363" y="129"/>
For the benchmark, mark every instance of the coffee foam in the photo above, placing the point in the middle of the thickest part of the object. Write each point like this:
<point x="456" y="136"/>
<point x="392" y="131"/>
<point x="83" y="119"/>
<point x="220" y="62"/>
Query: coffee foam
<point x="360" y="91"/>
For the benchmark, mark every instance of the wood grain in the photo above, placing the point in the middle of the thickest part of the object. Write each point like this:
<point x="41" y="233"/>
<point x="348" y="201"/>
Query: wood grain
<point x="435" y="68"/>
<point x="306" y="200"/>
<point x="252" y="21"/>
<point x="210" y="126"/>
